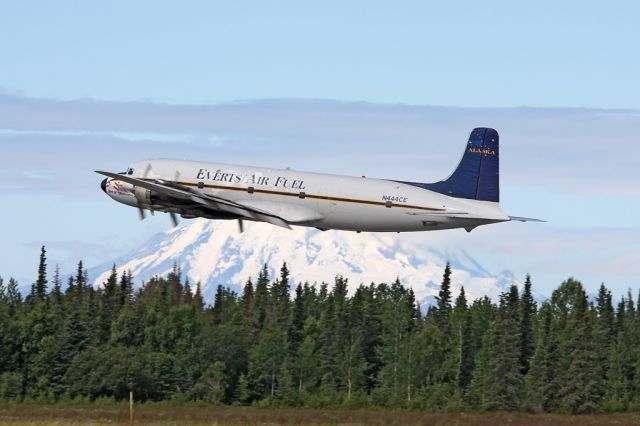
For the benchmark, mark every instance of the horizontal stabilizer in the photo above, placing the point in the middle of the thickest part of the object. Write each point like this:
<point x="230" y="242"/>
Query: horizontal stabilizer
<point x="525" y="219"/>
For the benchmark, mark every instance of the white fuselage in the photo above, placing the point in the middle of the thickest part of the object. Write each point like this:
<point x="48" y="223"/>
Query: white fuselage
<point x="314" y="199"/>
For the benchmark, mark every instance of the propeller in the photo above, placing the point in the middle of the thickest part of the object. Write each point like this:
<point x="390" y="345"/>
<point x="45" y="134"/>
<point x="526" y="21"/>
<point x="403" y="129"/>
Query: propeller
<point x="172" y="215"/>
<point x="141" y="214"/>
<point x="174" y="219"/>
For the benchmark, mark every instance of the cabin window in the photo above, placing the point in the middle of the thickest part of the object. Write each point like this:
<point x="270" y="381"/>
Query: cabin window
<point x="130" y="171"/>
<point x="388" y="204"/>
<point x="250" y="190"/>
<point x="200" y="185"/>
<point x="302" y="195"/>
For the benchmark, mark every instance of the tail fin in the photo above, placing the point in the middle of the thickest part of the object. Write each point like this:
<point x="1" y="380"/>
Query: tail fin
<point x="477" y="175"/>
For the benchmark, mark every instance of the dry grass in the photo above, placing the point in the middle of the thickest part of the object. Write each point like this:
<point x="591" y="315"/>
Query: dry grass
<point x="27" y="414"/>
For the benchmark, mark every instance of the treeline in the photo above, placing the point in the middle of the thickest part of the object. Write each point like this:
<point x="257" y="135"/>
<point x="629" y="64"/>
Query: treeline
<point x="319" y="347"/>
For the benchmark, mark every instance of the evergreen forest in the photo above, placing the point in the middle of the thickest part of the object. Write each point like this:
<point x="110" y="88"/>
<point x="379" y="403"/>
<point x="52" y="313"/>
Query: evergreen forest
<point x="276" y="344"/>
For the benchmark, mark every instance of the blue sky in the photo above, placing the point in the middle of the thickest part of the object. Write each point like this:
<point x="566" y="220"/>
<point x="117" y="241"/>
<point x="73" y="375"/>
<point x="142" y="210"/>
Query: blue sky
<point x="89" y="84"/>
<point x="544" y="53"/>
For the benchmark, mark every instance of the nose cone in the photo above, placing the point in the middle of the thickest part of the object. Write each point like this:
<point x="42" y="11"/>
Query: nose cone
<point x="103" y="185"/>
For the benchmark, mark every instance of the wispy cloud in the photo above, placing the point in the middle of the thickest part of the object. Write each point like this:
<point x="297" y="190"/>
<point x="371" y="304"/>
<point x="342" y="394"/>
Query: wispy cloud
<point x="574" y="150"/>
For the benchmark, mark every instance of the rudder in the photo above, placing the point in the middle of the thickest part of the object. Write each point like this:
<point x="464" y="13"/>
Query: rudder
<point x="477" y="174"/>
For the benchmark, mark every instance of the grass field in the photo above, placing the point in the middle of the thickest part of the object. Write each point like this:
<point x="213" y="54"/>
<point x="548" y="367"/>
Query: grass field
<point x="29" y="414"/>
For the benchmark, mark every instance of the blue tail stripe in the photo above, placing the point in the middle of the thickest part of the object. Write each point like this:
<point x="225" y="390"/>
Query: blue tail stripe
<point x="477" y="175"/>
<point x="488" y="178"/>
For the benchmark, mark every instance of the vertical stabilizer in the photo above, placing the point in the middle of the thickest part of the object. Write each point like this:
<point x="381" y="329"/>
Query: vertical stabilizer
<point x="477" y="174"/>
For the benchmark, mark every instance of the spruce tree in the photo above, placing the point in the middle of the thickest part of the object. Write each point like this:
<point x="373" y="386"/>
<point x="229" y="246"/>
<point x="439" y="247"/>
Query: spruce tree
<point x="248" y="304"/>
<point x="280" y="302"/>
<point x="527" y="316"/>
<point x="505" y="382"/>
<point x="335" y="333"/>
<point x="622" y="361"/>
<point x="187" y="295"/>
<point x="198" y="301"/>
<point x="41" y="283"/>
<point x="581" y="385"/>
<point x="10" y="338"/>
<point x="126" y="288"/>
<point x="397" y="317"/>
<point x="77" y="328"/>
<point x="477" y="394"/>
<point x="365" y="322"/>
<point x="483" y="312"/>
<point x="606" y="314"/>
<point x="219" y="302"/>
<point x="619" y="389"/>
<point x="542" y="383"/>
<point x="296" y="329"/>
<point x="55" y="297"/>
<point x="443" y="300"/>
<point x="604" y="330"/>
<point x="175" y="282"/>
<point x="466" y="352"/>
<point x="247" y="298"/>
<point x="14" y="298"/>
<point x="262" y="295"/>
<point x="108" y="306"/>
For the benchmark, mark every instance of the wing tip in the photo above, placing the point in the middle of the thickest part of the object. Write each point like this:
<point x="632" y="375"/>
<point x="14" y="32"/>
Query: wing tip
<point x="525" y="219"/>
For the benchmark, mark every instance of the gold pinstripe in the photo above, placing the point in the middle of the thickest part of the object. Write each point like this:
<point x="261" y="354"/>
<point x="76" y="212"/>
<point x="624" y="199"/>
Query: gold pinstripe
<point x="315" y="196"/>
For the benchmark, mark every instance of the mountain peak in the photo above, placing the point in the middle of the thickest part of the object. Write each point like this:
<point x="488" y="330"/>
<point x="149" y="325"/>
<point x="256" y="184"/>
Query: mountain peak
<point x="215" y="253"/>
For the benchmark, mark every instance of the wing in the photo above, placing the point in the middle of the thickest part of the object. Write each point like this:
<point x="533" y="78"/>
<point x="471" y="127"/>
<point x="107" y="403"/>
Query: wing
<point x="525" y="219"/>
<point x="210" y="201"/>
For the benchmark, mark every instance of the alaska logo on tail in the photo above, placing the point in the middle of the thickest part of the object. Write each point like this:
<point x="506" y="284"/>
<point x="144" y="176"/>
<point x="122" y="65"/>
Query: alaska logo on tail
<point x="477" y="175"/>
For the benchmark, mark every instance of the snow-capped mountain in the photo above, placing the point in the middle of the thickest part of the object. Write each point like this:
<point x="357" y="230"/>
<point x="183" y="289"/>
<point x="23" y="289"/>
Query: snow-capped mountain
<point x="214" y="253"/>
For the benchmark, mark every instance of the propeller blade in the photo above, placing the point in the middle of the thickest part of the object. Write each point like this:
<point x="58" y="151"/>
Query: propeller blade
<point x="241" y="225"/>
<point x="141" y="212"/>
<point x="174" y="219"/>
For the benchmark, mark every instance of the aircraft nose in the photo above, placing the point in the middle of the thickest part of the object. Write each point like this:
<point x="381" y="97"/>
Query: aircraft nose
<point x="103" y="185"/>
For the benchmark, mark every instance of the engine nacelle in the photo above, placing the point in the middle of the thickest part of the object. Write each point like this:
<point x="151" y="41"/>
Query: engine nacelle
<point x="143" y="196"/>
<point x="128" y="194"/>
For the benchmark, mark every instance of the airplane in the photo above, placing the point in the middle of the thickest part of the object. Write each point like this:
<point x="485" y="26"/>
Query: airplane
<point x="467" y="199"/>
